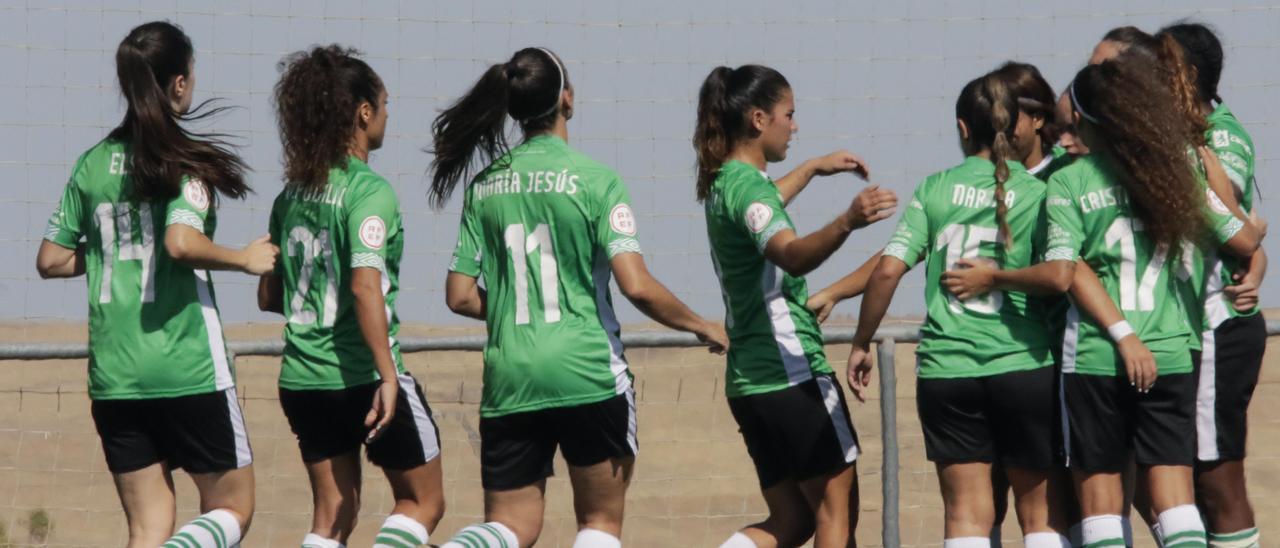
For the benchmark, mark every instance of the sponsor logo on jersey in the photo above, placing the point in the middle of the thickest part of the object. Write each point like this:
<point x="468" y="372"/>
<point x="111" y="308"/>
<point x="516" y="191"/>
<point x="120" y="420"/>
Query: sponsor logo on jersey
<point x="373" y="232"/>
<point x="1220" y="138"/>
<point x="758" y="217"/>
<point x="1215" y="203"/>
<point x="196" y="194"/>
<point x="623" y="220"/>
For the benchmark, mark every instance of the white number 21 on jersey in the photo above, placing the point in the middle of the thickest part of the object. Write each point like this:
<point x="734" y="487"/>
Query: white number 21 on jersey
<point x="520" y="246"/>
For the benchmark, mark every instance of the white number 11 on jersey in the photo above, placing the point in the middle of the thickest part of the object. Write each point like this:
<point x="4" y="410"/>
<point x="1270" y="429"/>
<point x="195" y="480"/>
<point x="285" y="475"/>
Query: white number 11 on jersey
<point x="520" y="246"/>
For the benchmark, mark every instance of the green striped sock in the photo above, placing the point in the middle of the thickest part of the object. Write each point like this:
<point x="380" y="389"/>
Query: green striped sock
<point x="484" y="535"/>
<point x="400" y="531"/>
<point x="216" y="529"/>
<point x="1244" y="538"/>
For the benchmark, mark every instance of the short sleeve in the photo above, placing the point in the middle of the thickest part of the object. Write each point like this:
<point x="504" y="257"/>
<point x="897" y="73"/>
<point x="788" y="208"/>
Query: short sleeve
<point x="616" y="222"/>
<point x="65" y="224"/>
<point x="759" y="211"/>
<point x="372" y="218"/>
<point x="910" y="240"/>
<point x="190" y="207"/>
<point x="1064" y="234"/>
<point x="1233" y="155"/>
<point x="1224" y="225"/>
<point x="468" y="251"/>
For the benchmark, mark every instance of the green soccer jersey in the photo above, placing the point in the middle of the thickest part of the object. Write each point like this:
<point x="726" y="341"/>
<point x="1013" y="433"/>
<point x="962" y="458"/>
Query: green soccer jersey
<point x="1198" y="265"/>
<point x="952" y="216"/>
<point x="154" y="330"/>
<point x="353" y="222"/>
<point x="1057" y="159"/>
<point x="1228" y="139"/>
<point x="774" y="339"/>
<point x="1089" y="219"/>
<point x="539" y="227"/>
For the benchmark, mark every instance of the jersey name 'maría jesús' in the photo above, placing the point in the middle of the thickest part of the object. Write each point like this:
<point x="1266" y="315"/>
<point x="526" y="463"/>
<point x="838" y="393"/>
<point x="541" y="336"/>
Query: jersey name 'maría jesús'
<point x="154" y="330"/>
<point x="352" y="222"/>
<point x="774" y="338"/>
<point x="539" y="227"/>
<point x="1233" y="146"/>
<point x="952" y="216"/>
<point x="1090" y="219"/>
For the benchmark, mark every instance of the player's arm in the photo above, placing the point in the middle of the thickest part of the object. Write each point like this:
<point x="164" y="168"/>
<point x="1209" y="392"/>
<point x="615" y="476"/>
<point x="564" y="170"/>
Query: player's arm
<point x="881" y="286"/>
<point x="976" y="277"/>
<point x="801" y="255"/>
<point x="1244" y="291"/>
<point x="271" y="293"/>
<point x="656" y="301"/>
<point x="193" y="248"/>
<point x="843" y="161"/>
<point x="371" y="314"/>
<point x="55" y="261"/>
<point x="1091" y="296"/>
<point x="848" y="287"/>
<point x="464" y="296"/>
<point x="1245" y="240"/>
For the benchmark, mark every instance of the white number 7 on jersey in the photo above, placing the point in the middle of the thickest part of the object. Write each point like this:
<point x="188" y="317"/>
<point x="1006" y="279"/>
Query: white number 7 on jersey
<point x="520" y="247"/>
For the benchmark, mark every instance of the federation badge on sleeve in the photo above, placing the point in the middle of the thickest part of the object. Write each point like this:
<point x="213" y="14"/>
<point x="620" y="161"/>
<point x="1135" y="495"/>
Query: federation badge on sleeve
<point x="758" y="217"/>
<point x="196" y="194"/>
<point x="373" y="232"/>
<point x="623" y="220"/>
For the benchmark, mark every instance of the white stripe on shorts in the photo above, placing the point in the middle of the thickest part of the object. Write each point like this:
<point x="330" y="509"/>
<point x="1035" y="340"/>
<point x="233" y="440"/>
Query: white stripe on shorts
<point x="244" y="454"/>
<point x="421" y="420"/>
<point x="831" y="398"/>
<point x="631" y="421"/>
<point x="1206" y="401"/>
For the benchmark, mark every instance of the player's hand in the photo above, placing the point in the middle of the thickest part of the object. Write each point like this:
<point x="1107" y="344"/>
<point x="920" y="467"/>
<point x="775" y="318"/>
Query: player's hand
<point x="1139" y="364"/>
<point x="859" y="371"/>
<point x="714" y="336"/>
<point x="871" y="205"/>
<point x="383" y="409"/>
<point x="259" y="257"/>
<point x="821" y="304"/>
<point x="841" y="161"/>
<point x="970" y="278"/>
<point x="1244" y="294"/>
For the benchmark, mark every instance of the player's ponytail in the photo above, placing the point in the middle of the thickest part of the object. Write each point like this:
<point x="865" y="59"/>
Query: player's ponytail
<point x="317" y="98"/>
<point x="990" y="112"/>
<point x="161" y="151"/>
<point x="472" y="130"/>
<point x="1203" y="51"/>
<point x="1181" y="77"/>
<point x="1128" y="115"/>
<point x="726" y="98"/>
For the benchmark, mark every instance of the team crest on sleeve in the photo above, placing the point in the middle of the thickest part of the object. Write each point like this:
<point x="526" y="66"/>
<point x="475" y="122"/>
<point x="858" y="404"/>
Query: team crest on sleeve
<point x="1215" y="203"/>
<point x="373" y="232"/>
<point x="758" y="216"/>
<point x="623" y="220"/>
<point x="196" y="194"/>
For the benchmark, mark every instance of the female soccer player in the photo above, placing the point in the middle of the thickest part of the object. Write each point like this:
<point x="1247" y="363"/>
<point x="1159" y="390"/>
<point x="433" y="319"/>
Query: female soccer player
<point x="1235" y="333"/>
<point x="544" y="225"/>
<point x="782" y="393"/>
<point x="1122" y="209"/>
<point x="1035" y="136"/>
<point x="986" y="381"/>
<point x="342" y="380"/>
<point x="162" y="386"/>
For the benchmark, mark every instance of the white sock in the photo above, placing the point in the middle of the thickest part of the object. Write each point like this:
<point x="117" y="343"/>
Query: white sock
<point x="313" y="540"/>
<point x="1245" y="538"/>
<point x="399" y="531"/>
<point x="215" y="529"/>
<point x="595" y="538"/>
<point x="1106" y="528"/>
<point x="967" y="542"/>
<point x="485" y="535"/>
<point x="739" y="540"/>
<point x="1181" y="527"/>
<point x="1045" y="540"/>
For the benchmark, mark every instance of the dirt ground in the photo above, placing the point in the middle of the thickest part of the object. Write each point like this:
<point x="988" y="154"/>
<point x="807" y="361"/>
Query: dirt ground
<point x="694" y="484"/>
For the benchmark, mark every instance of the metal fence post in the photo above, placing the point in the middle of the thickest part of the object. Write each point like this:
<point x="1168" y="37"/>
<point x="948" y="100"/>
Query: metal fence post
<point x="889" y="438"/>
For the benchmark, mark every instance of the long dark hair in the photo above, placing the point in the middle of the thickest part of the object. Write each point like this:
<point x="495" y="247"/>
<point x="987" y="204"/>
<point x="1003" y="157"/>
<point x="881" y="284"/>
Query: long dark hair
<point x="316" y="101"/>
<point x="1034" y="96"/>
<point x="527" y="88"/>
<point x="1203" y="51"/>
<point x="1167" y="56"/>
<point x="726" y="97"/>
<point x="988" y="107"/>
<point x="161" y="150"/>
<point x="1133" y="111"/>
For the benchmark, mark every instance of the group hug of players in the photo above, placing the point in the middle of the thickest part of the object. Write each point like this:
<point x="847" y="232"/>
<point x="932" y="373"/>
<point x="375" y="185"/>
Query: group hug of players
<point x="1131" y="192"/>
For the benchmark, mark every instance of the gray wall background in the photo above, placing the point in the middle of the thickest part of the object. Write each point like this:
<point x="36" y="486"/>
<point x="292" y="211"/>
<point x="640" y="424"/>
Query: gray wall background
<point x="878" y="78"/>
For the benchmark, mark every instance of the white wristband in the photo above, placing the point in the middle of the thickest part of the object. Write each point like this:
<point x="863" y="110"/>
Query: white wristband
<point x="1120" y="330"/>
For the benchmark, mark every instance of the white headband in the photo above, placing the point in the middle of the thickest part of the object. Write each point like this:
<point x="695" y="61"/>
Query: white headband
<point x="559" y="92"/>
<point x="1079" y="107"/>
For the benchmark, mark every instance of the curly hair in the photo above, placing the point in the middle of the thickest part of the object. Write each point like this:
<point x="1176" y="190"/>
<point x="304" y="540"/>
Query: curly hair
<point x="1132" y="110"/>
<point x="316" y="102"/>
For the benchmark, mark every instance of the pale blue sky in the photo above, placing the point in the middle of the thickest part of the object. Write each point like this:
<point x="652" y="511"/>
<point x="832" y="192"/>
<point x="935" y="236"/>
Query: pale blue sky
<point x="878" y="78"/>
